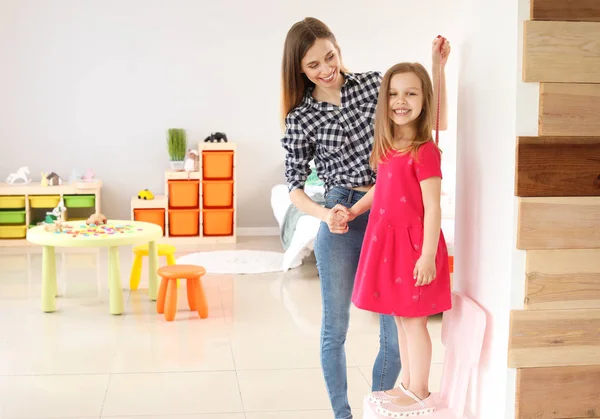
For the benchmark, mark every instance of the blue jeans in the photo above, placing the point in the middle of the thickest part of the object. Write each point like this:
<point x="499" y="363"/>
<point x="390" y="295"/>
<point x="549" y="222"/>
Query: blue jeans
<point x="337" y="259"/>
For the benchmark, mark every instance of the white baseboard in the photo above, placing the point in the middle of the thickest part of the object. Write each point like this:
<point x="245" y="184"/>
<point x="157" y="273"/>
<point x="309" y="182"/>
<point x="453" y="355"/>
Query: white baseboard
<point x="258" y="231"/>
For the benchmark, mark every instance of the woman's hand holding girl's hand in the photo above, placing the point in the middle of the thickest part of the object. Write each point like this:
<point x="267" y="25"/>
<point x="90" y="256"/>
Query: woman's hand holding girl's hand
<point x="440" y="51"/>
<point x="337" y="219"/>
<point x="424" y="271"/>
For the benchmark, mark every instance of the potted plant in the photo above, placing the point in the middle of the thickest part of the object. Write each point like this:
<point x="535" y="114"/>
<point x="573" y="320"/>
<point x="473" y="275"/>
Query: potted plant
<point x="177" y="143"/>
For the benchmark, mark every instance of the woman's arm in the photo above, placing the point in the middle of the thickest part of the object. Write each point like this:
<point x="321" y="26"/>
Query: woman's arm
<point x="305" y="204"/>
<point x="299" y="151"/>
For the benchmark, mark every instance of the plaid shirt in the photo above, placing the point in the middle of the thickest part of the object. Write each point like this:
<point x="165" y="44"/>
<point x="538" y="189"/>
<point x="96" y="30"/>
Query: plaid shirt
<point x="339" y="139"/>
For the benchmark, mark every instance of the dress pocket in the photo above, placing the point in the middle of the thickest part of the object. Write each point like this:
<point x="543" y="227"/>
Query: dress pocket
<point x="415" y="238"/>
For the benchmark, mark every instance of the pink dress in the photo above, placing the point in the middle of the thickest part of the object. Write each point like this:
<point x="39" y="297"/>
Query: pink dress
<point x="392" y="245"/>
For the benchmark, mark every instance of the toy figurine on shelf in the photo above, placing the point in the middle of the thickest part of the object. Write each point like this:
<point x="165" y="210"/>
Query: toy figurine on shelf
<point x="216" y="137"/>
<point x="96" y="220"/>
<point x="75" y="176"/>
<point x="146" y="195"/>
<point x="53" y="179"/>
<point x="88" y="176"/>
<point x="192" y="161"/>
<point x="20" y="177"/>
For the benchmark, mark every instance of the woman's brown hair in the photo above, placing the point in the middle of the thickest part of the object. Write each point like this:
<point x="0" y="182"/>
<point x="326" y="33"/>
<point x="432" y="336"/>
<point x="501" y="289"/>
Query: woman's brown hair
<point x="384" y="126"/>
<point x="301" y="36"/>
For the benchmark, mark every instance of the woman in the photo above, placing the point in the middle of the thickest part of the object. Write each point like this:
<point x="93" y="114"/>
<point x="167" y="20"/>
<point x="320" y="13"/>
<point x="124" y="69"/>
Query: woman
<point x="329" y="114"/>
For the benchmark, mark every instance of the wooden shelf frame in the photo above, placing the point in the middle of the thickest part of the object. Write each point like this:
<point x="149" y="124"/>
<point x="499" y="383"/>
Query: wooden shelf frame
<point x="162" y="201"/>
<point x="36" y="189"/>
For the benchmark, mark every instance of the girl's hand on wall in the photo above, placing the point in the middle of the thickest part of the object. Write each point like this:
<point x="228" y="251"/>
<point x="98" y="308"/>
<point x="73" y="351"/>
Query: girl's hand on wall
<point x="424" y="271"/>
<point x="440" y="51"/>
<point x="337" y="219"/>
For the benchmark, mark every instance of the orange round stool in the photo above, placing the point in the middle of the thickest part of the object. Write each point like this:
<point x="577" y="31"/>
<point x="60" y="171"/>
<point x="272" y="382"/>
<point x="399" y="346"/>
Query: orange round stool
<point x="167" y="295"/>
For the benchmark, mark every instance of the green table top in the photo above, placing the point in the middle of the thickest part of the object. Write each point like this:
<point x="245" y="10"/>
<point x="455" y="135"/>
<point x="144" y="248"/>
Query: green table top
<point x="114" y="233"/>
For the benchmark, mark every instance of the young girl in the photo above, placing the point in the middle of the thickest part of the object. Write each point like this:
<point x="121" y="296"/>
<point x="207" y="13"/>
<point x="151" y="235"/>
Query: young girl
<point x="403" y="268"/>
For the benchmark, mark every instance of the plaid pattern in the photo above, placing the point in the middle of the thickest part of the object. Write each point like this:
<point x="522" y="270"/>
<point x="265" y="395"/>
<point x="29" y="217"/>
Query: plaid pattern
<point x="339" y="139"/>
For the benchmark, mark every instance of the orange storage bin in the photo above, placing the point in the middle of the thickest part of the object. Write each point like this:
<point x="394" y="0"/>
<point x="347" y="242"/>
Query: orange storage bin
<point x="217" y="222"/>
<point x="151" y="215"/>
<point x="184" y="222"/>
<point x="217" y="193"/>
<point x="184" y="193"/>
<point x="217" y="164"/>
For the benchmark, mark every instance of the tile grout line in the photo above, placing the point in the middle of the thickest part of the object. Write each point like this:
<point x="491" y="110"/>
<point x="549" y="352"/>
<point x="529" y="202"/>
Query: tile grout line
<point x="114" y="356"/>
<point x="237" y="378"/>
<point x="105" y="394"/>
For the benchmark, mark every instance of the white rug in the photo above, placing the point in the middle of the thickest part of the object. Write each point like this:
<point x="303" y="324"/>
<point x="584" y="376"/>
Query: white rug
<point x="235" y="262"/>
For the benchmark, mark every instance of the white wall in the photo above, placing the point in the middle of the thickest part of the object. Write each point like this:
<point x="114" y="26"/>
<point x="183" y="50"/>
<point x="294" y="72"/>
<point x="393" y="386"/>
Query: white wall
<point x="96" y="84"/>
<point x="494" y="106"/>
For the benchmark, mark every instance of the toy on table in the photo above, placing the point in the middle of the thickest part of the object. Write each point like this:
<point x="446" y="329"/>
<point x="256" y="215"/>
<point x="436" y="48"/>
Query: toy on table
<point x="57" y="226"/>
<point x="146" y="195"/>
<point x="20" y="177"/>
<point x="216" y="137"/>
<point x="96" y="219"/>
<point x="54" y="220"/>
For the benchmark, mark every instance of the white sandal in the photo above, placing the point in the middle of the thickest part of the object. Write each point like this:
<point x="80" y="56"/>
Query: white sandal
<point x="419" y="408"/>
<point x="379" y="397"/>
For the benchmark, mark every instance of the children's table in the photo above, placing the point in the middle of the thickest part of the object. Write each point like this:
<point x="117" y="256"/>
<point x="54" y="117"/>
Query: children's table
<point x="114" y="234"/>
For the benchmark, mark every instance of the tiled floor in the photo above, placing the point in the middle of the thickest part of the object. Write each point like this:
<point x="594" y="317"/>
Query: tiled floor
<point x="255" y="357"/>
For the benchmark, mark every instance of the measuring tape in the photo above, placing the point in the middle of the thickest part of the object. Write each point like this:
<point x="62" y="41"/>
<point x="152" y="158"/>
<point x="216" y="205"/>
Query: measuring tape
<point x="437" y="122"/>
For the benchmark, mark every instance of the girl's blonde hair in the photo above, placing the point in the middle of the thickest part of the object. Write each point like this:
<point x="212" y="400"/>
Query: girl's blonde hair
<point x="384" y="125"/>
<point x="300" y="38"/>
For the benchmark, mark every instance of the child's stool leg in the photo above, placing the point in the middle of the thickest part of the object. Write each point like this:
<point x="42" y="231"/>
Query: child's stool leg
<point x="136" y="273"/>
<point x="201" y="300"/>
<point x="162" y="295"/>
<point x="170" y="259"/>
<point x="192" y="293"/>
<point x="171" y="301"/>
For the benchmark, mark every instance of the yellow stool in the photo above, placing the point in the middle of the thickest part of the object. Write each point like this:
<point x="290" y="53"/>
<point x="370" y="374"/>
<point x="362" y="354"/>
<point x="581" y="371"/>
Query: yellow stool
<point x="165" y="250"/>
